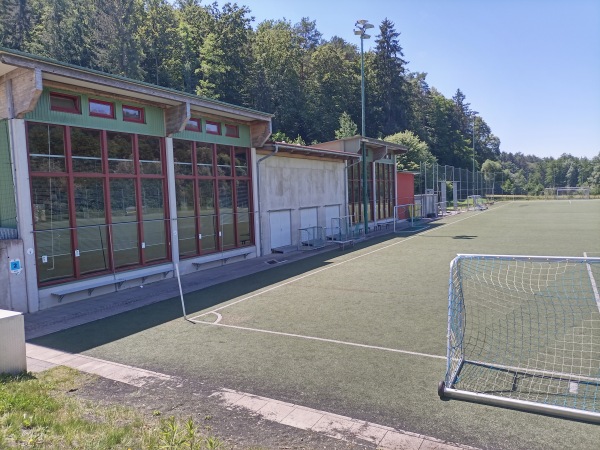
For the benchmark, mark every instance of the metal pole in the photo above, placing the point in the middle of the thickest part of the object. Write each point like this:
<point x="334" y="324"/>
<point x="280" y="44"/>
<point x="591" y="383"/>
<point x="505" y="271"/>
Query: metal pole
<point x="363" y="147"/>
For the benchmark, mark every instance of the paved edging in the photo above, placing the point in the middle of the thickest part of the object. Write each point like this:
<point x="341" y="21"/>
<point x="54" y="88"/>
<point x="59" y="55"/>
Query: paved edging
<point x="40" y="358"/>
<point x="333" y="425"/>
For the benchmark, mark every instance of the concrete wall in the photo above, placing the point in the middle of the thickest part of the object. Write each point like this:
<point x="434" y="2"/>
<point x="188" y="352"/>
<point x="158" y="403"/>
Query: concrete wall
<point x="292" y="183"/>
<point x="13" y="287"/>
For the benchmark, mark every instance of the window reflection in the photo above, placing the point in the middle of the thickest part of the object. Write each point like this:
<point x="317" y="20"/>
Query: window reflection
<point x="54" y="253"/>
<point x="86" y="150"/>
<point x="120" y="152"/>
<point x="46" y="148"/>
<point x="182" y="153"/>
<point x="150" y="155"/>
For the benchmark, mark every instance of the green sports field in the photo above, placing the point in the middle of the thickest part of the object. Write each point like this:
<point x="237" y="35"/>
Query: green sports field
<point x="360" y="332"/>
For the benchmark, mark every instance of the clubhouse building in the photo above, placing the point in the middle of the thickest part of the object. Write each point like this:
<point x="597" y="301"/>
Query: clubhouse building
<point x="108" y="183"/>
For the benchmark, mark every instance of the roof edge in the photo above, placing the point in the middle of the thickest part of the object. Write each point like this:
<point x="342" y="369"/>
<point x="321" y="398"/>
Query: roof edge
<point x="9" y="55"/>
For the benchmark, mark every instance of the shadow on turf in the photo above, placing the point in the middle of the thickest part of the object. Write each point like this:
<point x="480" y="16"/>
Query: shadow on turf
<point x="94" y="334"/>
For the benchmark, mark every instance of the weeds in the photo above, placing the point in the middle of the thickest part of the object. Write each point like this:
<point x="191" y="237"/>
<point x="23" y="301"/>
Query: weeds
<point x="36" y="412"/>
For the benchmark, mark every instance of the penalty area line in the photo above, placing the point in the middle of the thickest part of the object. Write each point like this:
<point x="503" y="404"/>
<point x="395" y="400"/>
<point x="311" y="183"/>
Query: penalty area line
<point x="330" y="341"/>
<point x="310" y="274"/>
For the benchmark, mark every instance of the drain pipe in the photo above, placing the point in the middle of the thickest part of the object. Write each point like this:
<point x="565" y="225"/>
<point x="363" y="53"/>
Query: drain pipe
<point x="260" y="227"/>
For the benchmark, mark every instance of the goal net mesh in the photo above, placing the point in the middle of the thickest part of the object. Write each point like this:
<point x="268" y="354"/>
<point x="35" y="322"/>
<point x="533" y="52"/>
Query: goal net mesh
<point x="526" y="328"/>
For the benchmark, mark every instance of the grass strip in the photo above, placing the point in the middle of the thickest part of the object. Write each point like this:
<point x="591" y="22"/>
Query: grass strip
<point x="40" y="411"/>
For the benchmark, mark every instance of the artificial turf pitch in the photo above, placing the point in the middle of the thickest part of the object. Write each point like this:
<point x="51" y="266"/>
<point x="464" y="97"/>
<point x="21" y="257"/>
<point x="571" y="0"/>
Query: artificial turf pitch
<point x="389" y="296"/>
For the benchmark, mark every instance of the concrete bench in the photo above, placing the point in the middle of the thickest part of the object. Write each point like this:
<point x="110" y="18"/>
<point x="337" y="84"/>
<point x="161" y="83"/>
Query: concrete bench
<point x="117" y="281"/>
<point x="223" y="257"/>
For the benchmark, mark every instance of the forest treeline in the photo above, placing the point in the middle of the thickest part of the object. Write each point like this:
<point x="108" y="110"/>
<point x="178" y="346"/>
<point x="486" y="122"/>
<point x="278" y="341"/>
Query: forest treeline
<point x="310" y="84"/>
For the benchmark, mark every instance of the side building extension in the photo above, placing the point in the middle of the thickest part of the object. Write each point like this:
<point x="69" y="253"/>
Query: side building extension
<point x="108" y="183"/>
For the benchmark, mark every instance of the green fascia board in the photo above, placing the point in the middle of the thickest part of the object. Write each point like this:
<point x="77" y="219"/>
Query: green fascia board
<point x="46" y="60"/>
<point x="242" y="141"/>
<point x="154" y="124"/>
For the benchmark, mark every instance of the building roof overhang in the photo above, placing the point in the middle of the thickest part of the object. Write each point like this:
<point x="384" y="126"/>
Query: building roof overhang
<point x="183" y="104"/>
<point x="80" y="76"/>
<point x="353" y="145"/>
<point x="308" y="151"/>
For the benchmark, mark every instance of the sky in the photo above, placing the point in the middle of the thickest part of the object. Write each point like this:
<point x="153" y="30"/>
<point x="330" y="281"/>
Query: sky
<point x="531" y="68"/>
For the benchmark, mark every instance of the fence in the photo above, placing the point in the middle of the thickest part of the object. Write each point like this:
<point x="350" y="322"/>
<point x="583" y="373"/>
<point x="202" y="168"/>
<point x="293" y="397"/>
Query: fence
<point x="452" y="186"/>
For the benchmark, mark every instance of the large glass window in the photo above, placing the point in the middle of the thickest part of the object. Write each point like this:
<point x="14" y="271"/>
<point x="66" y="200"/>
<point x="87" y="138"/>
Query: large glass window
<point x="98" y="200"/>
<point x="222" y="215"/>
<point x="186" y="217"/>
<point x="54" y="251"/>
<point x="90" y="218"/>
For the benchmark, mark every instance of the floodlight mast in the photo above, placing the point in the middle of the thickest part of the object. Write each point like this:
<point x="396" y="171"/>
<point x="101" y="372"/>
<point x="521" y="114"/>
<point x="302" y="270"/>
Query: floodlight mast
<point x="361" y="26"/>
<point x="473" y="115"/>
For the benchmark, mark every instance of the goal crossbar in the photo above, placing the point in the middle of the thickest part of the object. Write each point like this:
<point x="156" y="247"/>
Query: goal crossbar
<point x="524" y="332"/>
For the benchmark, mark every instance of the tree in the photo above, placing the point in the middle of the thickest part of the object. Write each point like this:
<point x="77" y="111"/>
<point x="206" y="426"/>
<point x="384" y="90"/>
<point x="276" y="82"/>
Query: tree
<point x="225" y="55"/>
<point x="389" y="99"/>
<point x="117" y="40"/>
<point x="17" y="21"/>
<point x="418" y="151"/>
<point x="347" y="127"/>
<point x="274" y="83"/>
<point x="332" y="87"/>
<point x="160" y="40"/>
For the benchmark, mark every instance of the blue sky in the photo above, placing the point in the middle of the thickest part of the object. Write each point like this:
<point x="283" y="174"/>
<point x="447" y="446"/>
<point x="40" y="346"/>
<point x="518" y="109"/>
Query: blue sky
<point x="530" y="67"/>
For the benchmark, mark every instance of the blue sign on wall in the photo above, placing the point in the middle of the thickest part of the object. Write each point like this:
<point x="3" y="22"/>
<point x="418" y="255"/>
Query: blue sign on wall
<point x="15" y="265"/>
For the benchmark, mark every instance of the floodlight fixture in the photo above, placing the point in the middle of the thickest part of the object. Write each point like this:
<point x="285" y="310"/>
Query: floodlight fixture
<point x="361" y="26"/>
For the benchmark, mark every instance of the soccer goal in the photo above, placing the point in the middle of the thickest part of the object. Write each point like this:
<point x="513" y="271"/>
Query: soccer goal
<point x="524" y="333"/>
<point x="476" y="203"/>
<point x="572" y="193"/>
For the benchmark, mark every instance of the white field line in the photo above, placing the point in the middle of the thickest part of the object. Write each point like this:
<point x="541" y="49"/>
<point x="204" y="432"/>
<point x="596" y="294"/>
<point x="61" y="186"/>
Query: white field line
<point x="332" y="341"/>
<point x="593" y="281"/>
<point x="293" y="280"/>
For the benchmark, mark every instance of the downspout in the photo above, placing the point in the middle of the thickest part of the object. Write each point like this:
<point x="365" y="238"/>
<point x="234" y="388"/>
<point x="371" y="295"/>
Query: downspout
<point x="260" y="227"/>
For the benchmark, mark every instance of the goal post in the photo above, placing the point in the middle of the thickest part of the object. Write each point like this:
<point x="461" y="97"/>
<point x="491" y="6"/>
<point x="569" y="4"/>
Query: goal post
<point x="476" y="202"/>
<point x="570" y="193"/>
<point x="524" y="333"/>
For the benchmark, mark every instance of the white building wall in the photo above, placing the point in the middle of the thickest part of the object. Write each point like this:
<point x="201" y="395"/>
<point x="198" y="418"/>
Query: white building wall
<point x="292" y="183"/>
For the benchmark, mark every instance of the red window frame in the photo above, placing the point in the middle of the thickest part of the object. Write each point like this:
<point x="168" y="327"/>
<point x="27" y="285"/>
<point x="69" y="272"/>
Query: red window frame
<point x="194" y="125"/>
<point x="138" y="177"/>
<point x="232" y="130"/>
<point x="131" y="119"/>
<point x="76" y="102"/>
<point x="217" y="124"/>
<point x="101" y="102"/>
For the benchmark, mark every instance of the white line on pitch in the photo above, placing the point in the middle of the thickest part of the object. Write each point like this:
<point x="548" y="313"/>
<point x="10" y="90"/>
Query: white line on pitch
<point x="593" y="281"/>
<point x="331" y="341"/>
<point x="293" y="280"/>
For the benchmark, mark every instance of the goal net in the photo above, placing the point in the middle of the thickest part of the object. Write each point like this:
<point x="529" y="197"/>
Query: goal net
<point x="524" y="332"/>
<point x="568" y="193"/>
